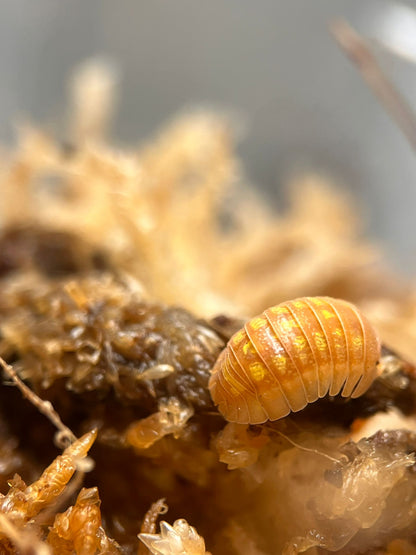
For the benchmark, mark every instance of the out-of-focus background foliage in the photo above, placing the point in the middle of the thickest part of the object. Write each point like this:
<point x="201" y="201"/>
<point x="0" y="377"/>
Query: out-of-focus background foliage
<point x="300" y="103"/>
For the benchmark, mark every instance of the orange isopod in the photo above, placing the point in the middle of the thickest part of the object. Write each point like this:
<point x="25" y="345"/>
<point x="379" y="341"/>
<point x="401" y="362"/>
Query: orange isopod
<point x="291" y="355"/>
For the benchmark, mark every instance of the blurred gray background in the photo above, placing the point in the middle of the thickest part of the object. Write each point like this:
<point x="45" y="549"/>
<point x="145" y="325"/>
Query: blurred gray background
<point x="274" y="63"/>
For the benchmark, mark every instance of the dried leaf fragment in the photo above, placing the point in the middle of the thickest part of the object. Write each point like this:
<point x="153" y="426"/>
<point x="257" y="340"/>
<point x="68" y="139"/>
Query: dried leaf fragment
<point x="78" y="530"/>
<point x="238" y="447"/>
<point x="171" y="418"/>
<point x="179" y="539"/>
<point x="23" y="503"/>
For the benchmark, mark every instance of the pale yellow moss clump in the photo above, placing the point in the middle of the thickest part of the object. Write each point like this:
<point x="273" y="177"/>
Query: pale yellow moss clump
<point x="159" y="212"/>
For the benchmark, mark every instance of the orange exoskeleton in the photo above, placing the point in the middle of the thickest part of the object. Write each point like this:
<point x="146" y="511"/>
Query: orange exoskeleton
<point x="292" y="355"/>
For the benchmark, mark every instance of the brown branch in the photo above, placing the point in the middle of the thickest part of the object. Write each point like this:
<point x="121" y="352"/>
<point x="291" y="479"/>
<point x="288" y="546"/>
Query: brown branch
<point x="390" y="97"/>
<point x="65" y="435"/>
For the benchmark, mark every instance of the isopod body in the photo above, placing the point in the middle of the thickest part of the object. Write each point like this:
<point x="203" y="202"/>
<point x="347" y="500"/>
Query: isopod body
<point x="291" y="355"/>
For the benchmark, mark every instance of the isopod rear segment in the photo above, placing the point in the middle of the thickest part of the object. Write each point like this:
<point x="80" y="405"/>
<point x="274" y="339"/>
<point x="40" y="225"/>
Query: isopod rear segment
<point x="292" y="355"/>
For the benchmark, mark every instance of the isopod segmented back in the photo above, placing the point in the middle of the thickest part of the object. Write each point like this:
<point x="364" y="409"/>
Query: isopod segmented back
<point x="291" y="355"/>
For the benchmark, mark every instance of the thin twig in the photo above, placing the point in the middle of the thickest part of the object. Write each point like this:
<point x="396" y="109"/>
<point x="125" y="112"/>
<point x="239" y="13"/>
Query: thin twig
<point x="65" y="435"/>
<point x="360" y="54"/>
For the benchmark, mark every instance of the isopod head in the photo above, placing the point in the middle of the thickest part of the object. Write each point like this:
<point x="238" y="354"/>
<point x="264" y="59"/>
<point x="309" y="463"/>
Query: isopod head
<point x="291" y="355"/>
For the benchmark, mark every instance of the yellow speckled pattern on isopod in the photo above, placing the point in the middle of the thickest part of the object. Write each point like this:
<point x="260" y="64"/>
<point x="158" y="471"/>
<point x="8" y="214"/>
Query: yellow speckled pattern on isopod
<point x="291" y="355"/>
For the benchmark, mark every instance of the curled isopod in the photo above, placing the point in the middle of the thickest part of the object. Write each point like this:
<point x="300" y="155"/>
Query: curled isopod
<point x="291" y="355"/>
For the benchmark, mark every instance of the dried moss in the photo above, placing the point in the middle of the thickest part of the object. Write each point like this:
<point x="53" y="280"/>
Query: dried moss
<point x="97" y="335"/>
